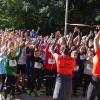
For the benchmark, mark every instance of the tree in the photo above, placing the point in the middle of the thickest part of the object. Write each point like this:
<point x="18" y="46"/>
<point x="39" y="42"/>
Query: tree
<point x="48" y="14"/>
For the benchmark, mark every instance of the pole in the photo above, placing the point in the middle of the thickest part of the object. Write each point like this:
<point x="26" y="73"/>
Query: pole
<point x="66" y="18"/>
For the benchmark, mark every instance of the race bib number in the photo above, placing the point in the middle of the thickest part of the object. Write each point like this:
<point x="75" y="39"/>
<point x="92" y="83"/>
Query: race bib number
<point x="12" y="63"/>
<point x="38" y="65"/>
<point x="51" y="61"/>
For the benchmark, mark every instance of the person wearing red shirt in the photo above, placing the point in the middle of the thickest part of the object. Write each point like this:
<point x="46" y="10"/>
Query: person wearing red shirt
<point x="65" y="65"/>
<point x="50" y="71"/>
<point x="94" y="87"/>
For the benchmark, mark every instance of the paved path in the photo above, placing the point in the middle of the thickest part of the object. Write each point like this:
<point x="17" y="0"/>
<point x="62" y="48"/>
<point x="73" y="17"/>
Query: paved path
<point x="43" y="97"/>
<point x="27" y="97"/>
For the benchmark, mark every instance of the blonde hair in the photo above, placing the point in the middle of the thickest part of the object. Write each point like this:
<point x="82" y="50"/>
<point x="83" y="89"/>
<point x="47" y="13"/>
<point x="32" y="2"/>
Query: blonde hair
<point x="73" y="53"/>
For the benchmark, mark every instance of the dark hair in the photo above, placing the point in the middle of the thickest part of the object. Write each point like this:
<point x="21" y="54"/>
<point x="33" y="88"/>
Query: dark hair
<point x="66" y="50"/>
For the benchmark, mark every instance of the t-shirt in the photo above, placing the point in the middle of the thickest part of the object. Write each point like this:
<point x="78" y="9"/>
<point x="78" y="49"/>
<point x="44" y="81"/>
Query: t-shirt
<point x="88" y="67"/>
<point x="82" y="57"/>
<point x="50" y="63"/>
<point x="11" y="63"/>
<point x="65" y="64"/>
<point x="77" y="67"/>
<point x="2" y="62"/>
<point x="38" y="63"/>
<point x="96" y="64"/>
<point x="22" y="59"/>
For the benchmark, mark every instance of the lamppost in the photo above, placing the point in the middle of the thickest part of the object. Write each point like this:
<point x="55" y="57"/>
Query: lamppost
<point x="66" y="18"/>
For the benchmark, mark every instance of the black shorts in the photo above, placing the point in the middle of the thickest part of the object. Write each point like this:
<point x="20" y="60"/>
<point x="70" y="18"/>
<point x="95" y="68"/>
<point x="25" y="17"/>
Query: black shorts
<point x="21" y="68"/>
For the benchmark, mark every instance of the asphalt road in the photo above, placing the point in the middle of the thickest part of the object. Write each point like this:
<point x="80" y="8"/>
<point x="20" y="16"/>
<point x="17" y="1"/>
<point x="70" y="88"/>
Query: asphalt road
<point x="27" y="97"/>
<point x="43" y="97"/>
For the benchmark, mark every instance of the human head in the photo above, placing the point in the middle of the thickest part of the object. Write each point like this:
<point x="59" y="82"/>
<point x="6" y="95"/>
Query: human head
<point x="64" y="50"/>
<point x="12" y="52"/>
<point x="74" y="54"/>
<point x="76" y="29"/>
<point x="36" y="52"/>
<point x="11" y="49"/>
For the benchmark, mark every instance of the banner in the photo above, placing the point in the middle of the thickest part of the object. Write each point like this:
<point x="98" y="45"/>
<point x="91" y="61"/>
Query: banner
<point x="83" y="25"/>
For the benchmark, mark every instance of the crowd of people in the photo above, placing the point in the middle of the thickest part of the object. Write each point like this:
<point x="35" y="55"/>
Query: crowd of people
<point x="29" y="62"/>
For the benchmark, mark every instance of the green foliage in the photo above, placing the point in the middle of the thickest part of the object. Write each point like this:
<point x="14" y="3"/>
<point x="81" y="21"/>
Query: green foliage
<point x="97" y="18"/>
<point x="48" y="14"/>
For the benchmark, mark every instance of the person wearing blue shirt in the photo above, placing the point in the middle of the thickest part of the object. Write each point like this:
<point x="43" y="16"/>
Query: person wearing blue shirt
<point x="2" y="69"/>
<point x="34" y="34"/>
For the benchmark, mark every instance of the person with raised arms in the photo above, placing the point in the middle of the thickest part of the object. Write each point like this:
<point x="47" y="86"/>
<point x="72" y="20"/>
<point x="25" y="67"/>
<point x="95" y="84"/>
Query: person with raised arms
<point x="94" y="87"/>
<point x="65" y="65"/>
<point x="13" y="54"/>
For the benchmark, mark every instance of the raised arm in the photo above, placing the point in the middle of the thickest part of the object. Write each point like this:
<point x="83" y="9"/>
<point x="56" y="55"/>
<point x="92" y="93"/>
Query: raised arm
<point x="96" y="42"/>
<point x="52" y="48"/>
